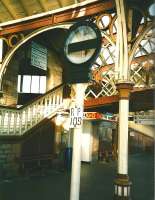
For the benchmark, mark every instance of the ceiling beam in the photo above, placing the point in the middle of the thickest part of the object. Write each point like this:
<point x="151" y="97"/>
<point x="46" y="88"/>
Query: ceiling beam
<point x="60" y="3"/>
<point x="137" y="100"/>
<point x="100" y="101"/>
<point x="25" y="10"/>
<point x="8" y="8"/>
<point x="42" y="5"/>
<point x="59" y="16"/>
<point x="77" y="1"/>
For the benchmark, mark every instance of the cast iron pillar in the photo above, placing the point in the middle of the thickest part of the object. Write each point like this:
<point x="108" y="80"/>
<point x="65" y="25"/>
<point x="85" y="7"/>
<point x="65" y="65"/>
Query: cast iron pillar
<point x="122" y="182"/>
<point x="1" y="58"/>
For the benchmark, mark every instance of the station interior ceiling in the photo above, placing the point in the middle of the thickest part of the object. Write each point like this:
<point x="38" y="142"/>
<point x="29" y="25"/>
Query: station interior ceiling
<point x="12" y="10"/>
<point x="17" y="9"/>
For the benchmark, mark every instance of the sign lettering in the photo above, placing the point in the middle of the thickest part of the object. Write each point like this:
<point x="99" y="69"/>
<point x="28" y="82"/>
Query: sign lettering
<point x="76" y="116"/>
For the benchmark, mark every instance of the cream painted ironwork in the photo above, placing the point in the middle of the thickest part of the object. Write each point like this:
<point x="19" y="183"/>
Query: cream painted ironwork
<point x="142" y="73"/>
<point x="104" y="71"/>
<point x="22" y="41"/>
<point x="141" y="61"/>
<point x="103" y="76"/>
<point x="19" y="121"/>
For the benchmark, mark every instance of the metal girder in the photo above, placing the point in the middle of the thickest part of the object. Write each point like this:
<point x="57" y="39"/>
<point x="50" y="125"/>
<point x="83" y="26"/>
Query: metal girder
<point x="137" y="101"/>
<point x="58" y="16"/>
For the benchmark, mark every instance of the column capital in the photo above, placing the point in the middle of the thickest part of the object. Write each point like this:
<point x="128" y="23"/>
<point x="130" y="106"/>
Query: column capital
<point x="124" y="89"/>
<point x="124" y="85"/>
<point x="80" y="86"/>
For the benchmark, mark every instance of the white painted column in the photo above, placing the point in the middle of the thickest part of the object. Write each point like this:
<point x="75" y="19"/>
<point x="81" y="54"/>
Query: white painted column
<point x="122" y="182"/>
<point x="123" y="137"/>
<point x="1" y="51"/>
<point x="1" y="59"/>
<point x="69" y="138"/>
<point x="124" y="86"/>
<point x="57" y="139"/>
<point x="79" y="90"/>
<point x="86" y="148"/>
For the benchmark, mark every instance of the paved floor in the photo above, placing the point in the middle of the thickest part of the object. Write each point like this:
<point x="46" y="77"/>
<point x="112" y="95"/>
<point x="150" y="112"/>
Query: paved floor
<point x="96" y="182"/>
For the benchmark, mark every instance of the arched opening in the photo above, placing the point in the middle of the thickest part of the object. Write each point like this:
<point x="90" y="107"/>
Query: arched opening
<point x="33" y="67"/>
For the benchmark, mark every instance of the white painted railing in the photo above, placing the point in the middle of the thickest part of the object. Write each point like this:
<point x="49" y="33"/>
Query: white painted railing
<point x="17" y="121"/>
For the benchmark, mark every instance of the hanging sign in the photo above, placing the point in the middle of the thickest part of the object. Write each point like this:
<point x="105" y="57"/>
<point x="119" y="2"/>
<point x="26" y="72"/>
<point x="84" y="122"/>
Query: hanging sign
<point x="76" y="116"/>
<point x="92" y="115"/>
<point x="99" y="116"/>
<point x="38" y="56"/>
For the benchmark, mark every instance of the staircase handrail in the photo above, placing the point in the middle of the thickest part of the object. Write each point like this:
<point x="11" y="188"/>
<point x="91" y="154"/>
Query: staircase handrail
<point x="17" y="121"/>
<point x="32" y="100"/>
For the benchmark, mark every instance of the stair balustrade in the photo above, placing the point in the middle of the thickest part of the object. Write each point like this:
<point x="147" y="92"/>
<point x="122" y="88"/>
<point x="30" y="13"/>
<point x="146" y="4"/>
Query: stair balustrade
<point x="17" y="121"/>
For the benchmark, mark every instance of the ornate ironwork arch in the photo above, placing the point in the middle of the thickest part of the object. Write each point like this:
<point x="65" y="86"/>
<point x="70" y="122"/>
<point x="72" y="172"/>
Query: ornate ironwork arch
<point x="139" y="39"/>
<point x="23" y="40"/>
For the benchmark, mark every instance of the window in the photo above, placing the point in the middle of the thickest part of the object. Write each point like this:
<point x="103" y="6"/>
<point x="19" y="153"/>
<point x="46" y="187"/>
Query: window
<point x="35" y="84"/>
<point x="42" y="84"/>
<point x="31" y="84"/>
<point x="26" y="84"/>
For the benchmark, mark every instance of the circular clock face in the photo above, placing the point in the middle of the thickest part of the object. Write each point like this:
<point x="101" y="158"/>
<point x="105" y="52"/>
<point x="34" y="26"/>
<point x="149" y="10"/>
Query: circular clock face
<point x="81" y="44"/>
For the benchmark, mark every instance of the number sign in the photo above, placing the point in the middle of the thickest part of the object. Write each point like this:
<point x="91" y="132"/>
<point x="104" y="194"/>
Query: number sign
<point x="76" y="116"/>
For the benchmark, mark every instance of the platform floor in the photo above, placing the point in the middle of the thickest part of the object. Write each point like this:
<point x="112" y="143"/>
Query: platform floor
<point x="96" y="182"/>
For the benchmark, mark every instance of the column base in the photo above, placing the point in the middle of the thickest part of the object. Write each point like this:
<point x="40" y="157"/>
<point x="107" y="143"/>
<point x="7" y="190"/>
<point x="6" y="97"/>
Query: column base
<point x="122" y="187"/>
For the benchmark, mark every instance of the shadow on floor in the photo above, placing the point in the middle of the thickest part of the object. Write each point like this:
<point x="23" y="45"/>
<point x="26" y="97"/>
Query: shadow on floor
<point x="96" y="182"/>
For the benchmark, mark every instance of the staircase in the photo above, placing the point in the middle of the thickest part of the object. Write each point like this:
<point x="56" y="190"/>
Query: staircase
<point x="17" y="121"/>
<point x="146" y="130"/>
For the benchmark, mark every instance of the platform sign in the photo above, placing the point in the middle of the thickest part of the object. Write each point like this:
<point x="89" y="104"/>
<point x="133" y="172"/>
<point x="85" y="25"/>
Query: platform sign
<point x="92" y="115"/>
<point x="76" y="116"/>
<point x="99" y="116"/>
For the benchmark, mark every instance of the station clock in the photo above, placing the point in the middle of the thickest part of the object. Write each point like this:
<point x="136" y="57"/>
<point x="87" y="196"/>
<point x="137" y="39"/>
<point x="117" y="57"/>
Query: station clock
<point x="81" y="48"/>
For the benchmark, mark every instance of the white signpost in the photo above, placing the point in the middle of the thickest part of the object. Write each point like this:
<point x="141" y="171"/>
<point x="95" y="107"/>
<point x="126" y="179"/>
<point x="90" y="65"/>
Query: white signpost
<point x="81" y="48"/>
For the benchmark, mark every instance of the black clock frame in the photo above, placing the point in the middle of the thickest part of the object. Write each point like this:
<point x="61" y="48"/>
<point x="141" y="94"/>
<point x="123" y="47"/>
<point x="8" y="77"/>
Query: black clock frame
<point x="98" y="43"/>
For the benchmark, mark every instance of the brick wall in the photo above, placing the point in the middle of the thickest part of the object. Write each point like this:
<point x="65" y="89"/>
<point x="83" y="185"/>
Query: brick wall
<point x="8" y="159"/>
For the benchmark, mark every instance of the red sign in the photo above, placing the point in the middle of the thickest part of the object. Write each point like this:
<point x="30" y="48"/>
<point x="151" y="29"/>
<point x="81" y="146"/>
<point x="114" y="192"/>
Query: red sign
<point x="92" y="115"/>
